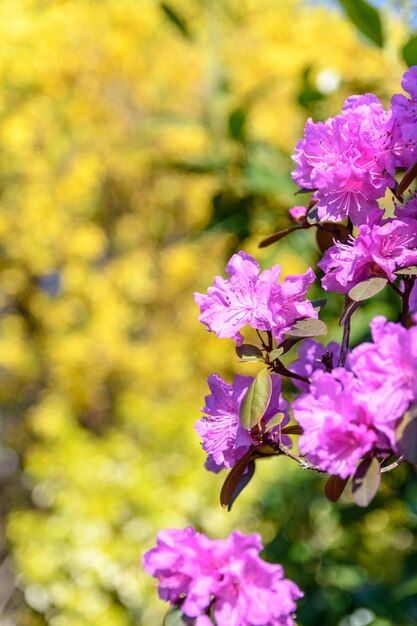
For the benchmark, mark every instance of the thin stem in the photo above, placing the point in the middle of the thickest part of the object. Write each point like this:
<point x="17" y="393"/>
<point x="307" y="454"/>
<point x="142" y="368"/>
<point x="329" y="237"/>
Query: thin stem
<point x="349" y="227"/>
<point x="301" y="462"/>
<point x="345" y="340"/>
<point x="395" y="288"/>
<point x="265" y="347"/>
<point x="408" y="286"/>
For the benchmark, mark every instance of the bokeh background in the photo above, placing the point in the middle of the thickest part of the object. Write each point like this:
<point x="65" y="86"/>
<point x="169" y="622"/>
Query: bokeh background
<point x="142" y="142"/>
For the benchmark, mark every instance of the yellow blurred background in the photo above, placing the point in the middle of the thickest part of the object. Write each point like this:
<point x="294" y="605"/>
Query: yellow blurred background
<point x="141" y="142"/>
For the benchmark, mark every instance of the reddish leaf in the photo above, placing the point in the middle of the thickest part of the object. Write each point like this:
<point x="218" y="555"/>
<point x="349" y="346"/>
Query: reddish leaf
<point x="277" y="236"/>
<point x="325" y="238"/>
<point x="234" y="476"/>
<point x="334" y="487"/>
<point x="366" y="481"/>
<point x="407" y="179"/>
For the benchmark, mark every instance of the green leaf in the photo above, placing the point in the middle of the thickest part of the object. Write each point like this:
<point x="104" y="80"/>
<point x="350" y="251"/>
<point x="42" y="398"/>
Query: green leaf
<point x="249" y="352"/>
<point x="406" y="436"/>
<point x="409" y="51"/>
<point x="256" y="400"/>
<point x="175" y="617"/>
<point x="334" y="487"/>
<point x="274" y="421"/>
<point x="411" y="270"/>
<point x="275" y="354"/>
<point x="366" y="481"/>
<point x="176" y="19"/>
<point x="367" y="288"/>
<point x="366" y="18"/>
<point x="308" y="327"/>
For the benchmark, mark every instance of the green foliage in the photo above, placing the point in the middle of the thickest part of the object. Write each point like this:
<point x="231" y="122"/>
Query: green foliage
<point x="366" y="18"/>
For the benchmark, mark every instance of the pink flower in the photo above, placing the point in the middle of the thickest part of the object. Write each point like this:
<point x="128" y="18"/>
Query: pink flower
<point x="311" y="359"/>
<point x="404" y="114"/>
<point x="387" y="369"/>
<point x="348" y="161"/>
<point x="256" y="299"/>
<point x="377" y="251"/>
<point x="224" y="439"/>
<point x="298" y="214"/>
<point x="408" y="209"/>
<point x="197" y="573"/>
<point x="337" y="425"/>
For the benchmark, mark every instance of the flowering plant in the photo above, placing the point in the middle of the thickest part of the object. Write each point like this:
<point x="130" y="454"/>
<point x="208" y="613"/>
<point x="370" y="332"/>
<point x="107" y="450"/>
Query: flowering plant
<point x="355" y="409"/>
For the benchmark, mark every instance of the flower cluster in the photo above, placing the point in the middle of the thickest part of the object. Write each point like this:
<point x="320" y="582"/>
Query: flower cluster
<point x="255" y="299"/>
<point x="379" y="250"/>
<point x="225" y="579"/>
<point x="354" y="408"/>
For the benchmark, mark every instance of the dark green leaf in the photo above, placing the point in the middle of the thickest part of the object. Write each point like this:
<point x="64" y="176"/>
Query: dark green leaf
<point x="334" y="487"/>
<point x="247" y="352"/>
<point x="309" y="327"/>
<point x="366" y="481"/>
<point x="313" y="216"/>
<point x="367" y="288"/>
<point x="406" y="180"/>
<point x="244" y="480"/>
<point x="237" y="124"/>
<point x="292" y="429"/>
<point x="233" y="478"/>
<point x="176" y="19"/>
<point x="275" y="354"/>
<point x="256" y="400"/>
<point x="366" y="18"/>
<point x="277" y="236"/>
<point x="410" y="51"/>
<point x="406" y="436"/>
<point x="319" y="304"/>
<point x="198" y="165"/>
<point x="411" y="270"/>
<point x="274" y="421"/>
<point x="308" y="93"/>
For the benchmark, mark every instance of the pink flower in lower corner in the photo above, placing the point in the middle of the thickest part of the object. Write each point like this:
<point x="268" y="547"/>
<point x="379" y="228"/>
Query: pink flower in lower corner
<point x="226" y="577"/>
<point x="254" y="298"/>
<point x="224" y="439"/>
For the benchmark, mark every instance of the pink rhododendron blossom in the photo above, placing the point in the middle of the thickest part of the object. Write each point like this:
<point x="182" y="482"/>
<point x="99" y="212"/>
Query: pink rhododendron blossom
<point x="388" y="370"/>
<point x="224" y="438"/>
<point x="404" y="114"/>
<point x="348" y="161"/>
<point x="377" y="251"/>
<point x="225" y="576"/>
<point x="337" y="422"/>
<point x="254" y="298"/>
<point x="313" y="356"/>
